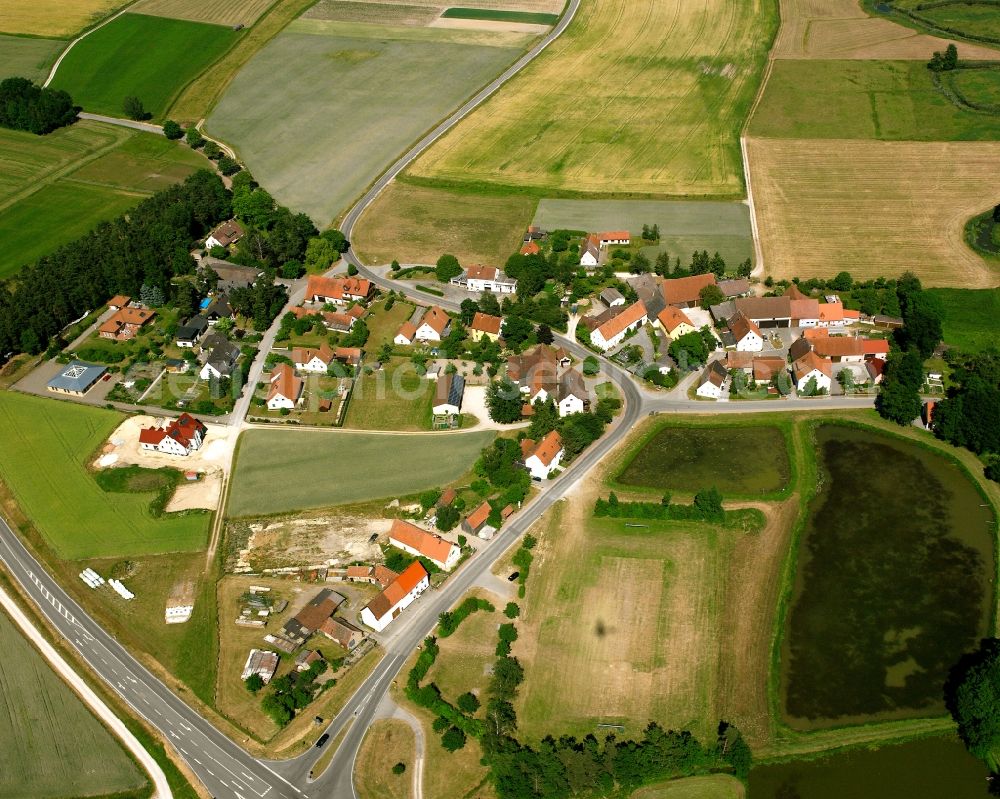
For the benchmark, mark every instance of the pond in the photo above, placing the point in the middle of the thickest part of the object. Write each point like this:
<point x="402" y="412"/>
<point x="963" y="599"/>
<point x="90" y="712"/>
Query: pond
<point x="737" y="460"/>
<point x="931" y="768"/>
<point x="892" y="585"/>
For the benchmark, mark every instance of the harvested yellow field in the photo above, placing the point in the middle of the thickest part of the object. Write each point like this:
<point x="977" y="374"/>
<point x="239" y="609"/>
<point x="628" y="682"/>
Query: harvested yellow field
<point x="873" y="208"/>
<point x="324" y="7"/>
<point x="53" y="17"/>
<point x="841" y="29"/>
<point x="637" y="96"/>
<point x="220" y="12"/>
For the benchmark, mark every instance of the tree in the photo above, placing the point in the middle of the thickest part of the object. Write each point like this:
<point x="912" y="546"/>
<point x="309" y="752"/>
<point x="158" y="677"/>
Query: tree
<point x="320" y="254"/>
<point x="290" y="270"/>
<point x="337" y="239"/>
<point x="447" y="268"/>
<point x="842" y="282"/>
<point x="846" y="379"/>
<point x="134" y="109"/>
<point x="689" y="350"/>
<point x="739" y="381"/>
<point x="468" y="310"/>
<point x="543" y="335"/>
<point x="783" y="382"/>
<point x="172" y="130"/>
<point x="745" y="269"/>
<point x="254" y="683"/>
<point x="710" y="295"/>
<point x="255" y="207"/>
<point x="194" y="138"/>
<point x="468" y="703"/>
<point x="709" y="502"/>
<point x="229" y="166"/>
<point x="26" y="106"/>
<point x="811" y="388"/>
<point x="399" y="768"/>
<point x="512" y="611"/>
<point x="447" y="518"/>
<point x="591" y="366"/>
<point x="151" y="295"/>
<point x="516" y="330"/>
<point x="504" y="401"/>
<point x="972" y="694"/>
<point x="898" y="402"/>
<point x="453" y="739"/>
<point x="950" y="59"/>
<point x="186" y="299"/>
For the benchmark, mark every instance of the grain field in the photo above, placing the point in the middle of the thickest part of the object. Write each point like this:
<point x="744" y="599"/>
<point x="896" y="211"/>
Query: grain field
<point x="219" y="12"/>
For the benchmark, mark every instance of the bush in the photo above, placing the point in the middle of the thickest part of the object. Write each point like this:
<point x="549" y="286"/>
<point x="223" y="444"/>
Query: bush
<point x="468" y="703"/>
<point x="453" y="740"/>
<point x="172" y="130"/>
<point x="512" y="611"/>
<point x="399" y="768"/>
<point x="193" y="138"/>
<point x="440" y="724"/>
<point x="229" y="166"/>
<point x="212" y="150"/>
<point x="448" y="621"/>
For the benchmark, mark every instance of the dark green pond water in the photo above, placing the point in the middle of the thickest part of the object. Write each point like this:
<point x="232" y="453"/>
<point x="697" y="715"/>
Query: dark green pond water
<point x="893" y="582"/>
<point x="933" y="768"/>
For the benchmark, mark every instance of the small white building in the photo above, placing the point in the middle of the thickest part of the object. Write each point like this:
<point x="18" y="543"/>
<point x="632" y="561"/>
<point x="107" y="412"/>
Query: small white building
<point x="396" y="597"/>
<point x="712" y="380"/>
<point x="312" y="360"/>
<point x="434" y="325"/>
<point x="486" y="278"/>
<point x="614" y="237"/>
<point x="572" y="396"/>
<point x="285" y="390"/>
<point x="811" y="366"/>
<point x="747" y="334"/>
<point x="590" y="252"/>
<point x="542" y="457"/>
<point x="613" y="332"/>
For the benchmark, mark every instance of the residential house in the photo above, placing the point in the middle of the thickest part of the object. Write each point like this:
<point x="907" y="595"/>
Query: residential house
<point x="766" y="311"/>
<point x="448" y="496"/>
<point x="612" y="297"/>
<point x="191" y="331"/>
<point x="542" y="457"/>
<point x="674" y="322"/>
<point x="396" y="597"/>
<point x="610" y="237"/>
<point x="448" y="394"/>
<point x="224" y="235"/>
<point x="536" y="372"/>
<point x="649" y="289"/>
<point x="766" y="369"/>
<point x="383" y="575"/>
<point x="876" y="370"/>
<point x="308" y="620"/>
<point x="125" y="323"/>
<point x="572" y="395"/>
<point x="840" y="349"/>
<point x="359" y="574"/>
<point x="219" y="308"/>
<point x="181" y="436"/>
<point x="485" y="278"/>
<point x="339" y="322"/>
<point x="433" y="325"/>
<point x="799" y="347"/>
<point x="739" y="287"/>
<point x="118" y="302"/>
<point x="231" y="276"/>
<point x="338" y="290"/>
<point x="530" y="248"/>
<point x="685" y="292"/>
<point x="877" y="348"/>
<point x="535" y="233"/>
<point x="739" y="360"/>
<point x="313" y="360"/>
<point x="590" y="252"/>
<point x="176" y="366"/>
<point x="343" y="632"/>
<point x="613" y="332"/>
<point x="218" y="356"/>
<point x="811" y="366"/>
<point x="410" y="538"/>
<point x="261" y="662"/>
<point x="746" y="334"/>
<point x="927" y="414"/>
<point x="285" y="388"/>
<point x="76" y="378"/>
<point x="712" y="380"/>
<point x="476" y="520"/>
<point x="485" y="325"/>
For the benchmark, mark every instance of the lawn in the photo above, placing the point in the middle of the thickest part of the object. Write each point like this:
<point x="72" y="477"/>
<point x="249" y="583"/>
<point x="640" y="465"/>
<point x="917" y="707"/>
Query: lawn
<point x="394" y="398"/>
<point x="463" y="662"/>
<point x="383" y="325"/>
<point x="220" y="12"/>
<point x="888" y="100"/>
<point x="27" y="57"/>
<point x="61" y="498"/>
<point x="151" y="58"/>
<point x="640" y="96"/>
<point x="342" y="467"/>
<point x="971" y="317"/>
<point x="57" y="187"/>
<point x="318" y="79"/>
<point x="976" y="87"/>
<point x="873" y="208"/>
<point x="974" y="19"/>
<point x="748" y="460"/>
<point x="55" y="18"/>
<point x="714" y="786"/>
<point x="387" y="742"/>
<point x="52" y="747"/>
<point x="417" y="224"/>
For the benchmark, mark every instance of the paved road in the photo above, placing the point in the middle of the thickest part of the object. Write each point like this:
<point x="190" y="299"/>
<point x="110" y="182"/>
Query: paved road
<point x="146" y="127"/>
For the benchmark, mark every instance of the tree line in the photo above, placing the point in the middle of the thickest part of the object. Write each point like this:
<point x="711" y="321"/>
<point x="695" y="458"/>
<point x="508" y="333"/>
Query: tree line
<point x="27" y="106"/>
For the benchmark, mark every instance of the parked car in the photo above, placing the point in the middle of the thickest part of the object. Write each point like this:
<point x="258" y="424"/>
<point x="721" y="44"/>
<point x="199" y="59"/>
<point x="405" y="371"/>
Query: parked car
<point x="513" y="576"/>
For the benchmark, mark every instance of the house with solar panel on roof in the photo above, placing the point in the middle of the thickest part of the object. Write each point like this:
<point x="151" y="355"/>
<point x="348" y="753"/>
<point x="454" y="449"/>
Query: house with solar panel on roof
<point x="448" y="393"/>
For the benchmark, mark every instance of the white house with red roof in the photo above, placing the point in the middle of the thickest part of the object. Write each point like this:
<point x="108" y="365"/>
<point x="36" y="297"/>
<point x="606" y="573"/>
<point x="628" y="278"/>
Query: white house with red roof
<point x="434" y="325"/>
<point x="610" y="237"/>
<point x="542" y="457"/>
<point x="590" y="252"/>
<point x="746" y="333"/>
<point x="315" y="360"/>
<point x="613" y="332"/>
<point x="338" y="290"/>
<point x="485" y="278"/>
<point x="396" y="597"/>
<point x="181" y="436"/>
<point x="415" y="541"/>
<point x="811" y="366"/>
<point x="285" y="389"/>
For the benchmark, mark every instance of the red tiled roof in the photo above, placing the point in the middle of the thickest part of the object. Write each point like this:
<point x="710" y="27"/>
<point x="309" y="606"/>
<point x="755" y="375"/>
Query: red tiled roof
<point x="545" y="450"/>
<point x="407" y="330"/>
<point x="363" y="572"/>
<point x="285" y="382"/>
<point x="384" y="575"/>
<point x="767" y="368"/>
<point x="875" y="346"/>
<point x="479" y="272"/>
<point x="302" y="355"/>
<point x="120" y="300"/>
<point x="338" y="288"/>
<point x="614" y="235"/>
<point x="685" y="290"/>
<point x="486" y="323"/>
<point x="671" y="318"/>
<point x="397" y="589"/>
<point x="741" y="327"/>
<point x="617" y="324"/>
<point x="427" y="544"/>
<point x="152" y="435"/>
<point x="838" y="346"/>
<point x="478" y="517"/>
<point x="804" y="309"/>
<point x="436" y="318"/>
<point x="531" y="248"/>
<point x="804" y="365"/>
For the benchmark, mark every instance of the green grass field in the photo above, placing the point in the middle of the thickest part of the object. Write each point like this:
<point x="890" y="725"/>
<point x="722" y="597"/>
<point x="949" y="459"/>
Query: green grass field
<point x="714" y="786"/>
<point x="888" y="100"/>
<point x="974" y="19"/>
<point x="318" y="80"/>
<point x="977" y="87"/>
<point x="151" y="58"/>
<point x="395" y="398"/>
<point x="51" y="747"/>
<point x="285" y="470"/>
<point x="61" y="498"/>
<point x="531" y="17"/>
<point x="972" y="317"/>
<point x="27" y="57"/>
<point x="55" y="188"/>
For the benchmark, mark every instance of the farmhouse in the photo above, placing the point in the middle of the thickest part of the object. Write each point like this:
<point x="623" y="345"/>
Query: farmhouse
<point x="614" y="237"/>
<point x="285" y="389"/>
<point x="712" y="380"/>
<point x="746" y="334"/>
<point x="734" y="288"/>
<point x="476" y="520"/>
<point x="766" y="311"/>
<point x="343" y="632"/>
<point x="351" y="356"/>
<point x="76" y="379"/>
<point x="799" y="347"/>
<point x="572" y="396"/>
<point x="191" y="331"/>
<point x="448" y="394"/>
<point x="840" y="349"/>
<point x="542" y="457"/>
<point x="674" y="322"/>
<point x="396" y="597"/>
<point x="224" y="235"/>
<point x="485" y="278"/>
<point x="181" y="436"/>
<point x="118" y="301"/>
<point x="339" y="322"/>
<point x="811" y="366"/>
<point x="739" y="360"/>
<point x="338" y="290"/>
<point x="308" y="620"/>
<point x="125" y="323"/>
<point x="649" y="289"/>
<point x="612" y="297"/>
<point x="485" y="325"/>
<point x="876" y="370"/>
<point x="536" y="371"/>
<point x="434" y="325"/>
<point x="262" y="663"/>
<point x="535" y="233"/>
<point x="410" y="538"/>
<point x="613" y="332"/>
<point x="313" y="360"/>
<point x="590" y="252"/>
<point x="685" y="292"/>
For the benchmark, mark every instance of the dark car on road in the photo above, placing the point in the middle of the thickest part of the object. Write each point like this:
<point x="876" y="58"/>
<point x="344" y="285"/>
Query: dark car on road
<point x="322" y="739"/>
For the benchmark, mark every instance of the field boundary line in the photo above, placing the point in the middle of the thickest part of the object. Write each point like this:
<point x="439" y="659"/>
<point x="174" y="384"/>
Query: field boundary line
<point x="81" y="37"/>
<point x="88" y="696"/>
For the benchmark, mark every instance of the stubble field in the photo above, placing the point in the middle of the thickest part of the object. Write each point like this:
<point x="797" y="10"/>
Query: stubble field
<point x="52" y="747"/>
<point x="56" y="18"/>
<point x="873" y="208"/>
<point x="219" y="12"/>
<point x="641" y="97"/>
